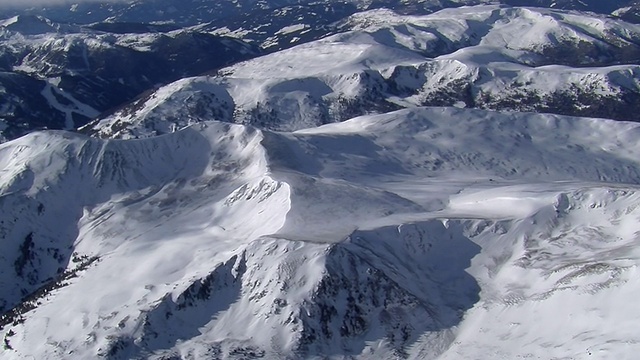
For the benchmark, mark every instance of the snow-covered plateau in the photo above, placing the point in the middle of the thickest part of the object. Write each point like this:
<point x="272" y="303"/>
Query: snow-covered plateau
<point x="425" y="233"/>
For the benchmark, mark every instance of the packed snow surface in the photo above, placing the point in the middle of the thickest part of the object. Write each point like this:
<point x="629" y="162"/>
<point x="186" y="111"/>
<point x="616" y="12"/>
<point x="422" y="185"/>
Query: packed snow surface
<point x="427" y="233"/>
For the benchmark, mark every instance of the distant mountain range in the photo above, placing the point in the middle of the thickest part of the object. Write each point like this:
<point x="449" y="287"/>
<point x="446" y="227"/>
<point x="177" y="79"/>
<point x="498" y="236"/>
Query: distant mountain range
<point x="193" y="12"/>
<point x="60" y="76"/>
<point x="65" y="73"/>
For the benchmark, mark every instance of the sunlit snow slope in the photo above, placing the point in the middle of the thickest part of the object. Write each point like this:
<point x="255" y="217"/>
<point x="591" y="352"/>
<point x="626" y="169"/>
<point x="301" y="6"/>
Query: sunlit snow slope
<point x="489" y="57"/>
<point x="428" y="233"/>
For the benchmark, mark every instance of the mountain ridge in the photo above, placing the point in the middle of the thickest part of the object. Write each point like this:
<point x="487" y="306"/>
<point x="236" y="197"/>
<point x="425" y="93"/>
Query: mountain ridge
<point x="302" y="197"/>
<point x="390" y="61"/>
<point x="250" y="246"/>
<point x="66" y="75"/>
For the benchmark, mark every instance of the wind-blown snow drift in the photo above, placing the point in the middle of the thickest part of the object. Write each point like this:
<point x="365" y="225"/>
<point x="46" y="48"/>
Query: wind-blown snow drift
<point x="424" y="233"/>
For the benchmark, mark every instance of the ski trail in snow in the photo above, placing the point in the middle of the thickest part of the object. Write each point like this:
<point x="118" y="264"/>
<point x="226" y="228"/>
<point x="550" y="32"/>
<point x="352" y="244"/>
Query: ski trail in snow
<point x="49" y="92"/>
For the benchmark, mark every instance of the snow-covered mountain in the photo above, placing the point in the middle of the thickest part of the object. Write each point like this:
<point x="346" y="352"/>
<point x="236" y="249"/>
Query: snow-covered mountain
<point x="60" y="76"/>
<point x="489" y="57"/>
<point x="193" y="12"/>
<point x="343" y="182"/>
<point x="629" y="13"/>
<point x="424" y="233"/>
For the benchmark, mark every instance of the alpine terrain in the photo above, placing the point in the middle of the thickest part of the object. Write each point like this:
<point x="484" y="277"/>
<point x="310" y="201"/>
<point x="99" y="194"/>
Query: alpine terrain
<point x="320" y="180"/>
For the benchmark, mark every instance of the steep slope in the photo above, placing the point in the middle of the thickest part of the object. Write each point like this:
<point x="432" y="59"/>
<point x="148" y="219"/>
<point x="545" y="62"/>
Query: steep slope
<point x="400" y="235"/>
<point x="490" y="57"/>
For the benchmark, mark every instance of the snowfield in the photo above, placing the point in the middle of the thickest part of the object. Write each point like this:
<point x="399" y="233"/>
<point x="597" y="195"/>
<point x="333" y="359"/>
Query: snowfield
<point x="424" y="233"/>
